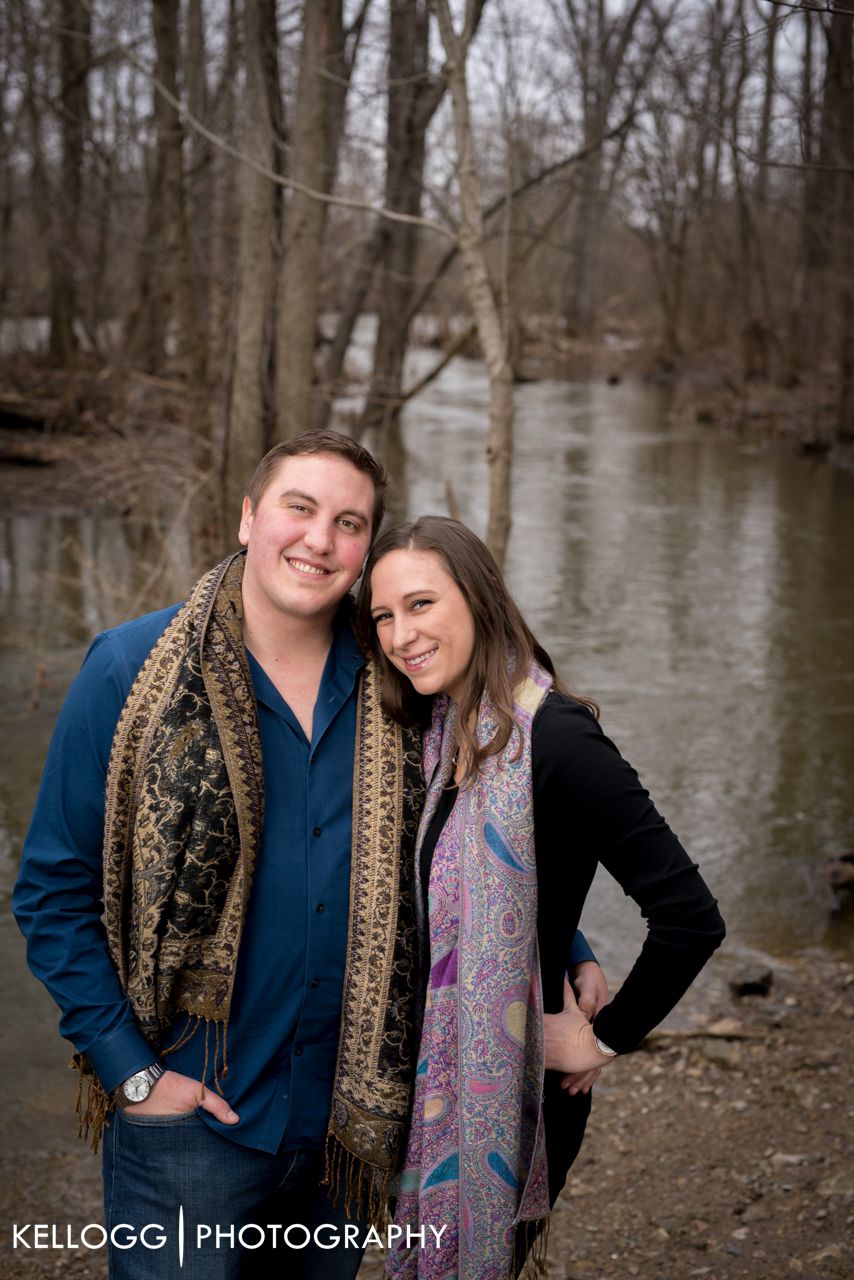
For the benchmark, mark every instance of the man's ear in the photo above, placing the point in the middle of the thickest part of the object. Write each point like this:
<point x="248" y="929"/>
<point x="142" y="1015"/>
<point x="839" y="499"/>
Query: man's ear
<point x="246" y="516"/>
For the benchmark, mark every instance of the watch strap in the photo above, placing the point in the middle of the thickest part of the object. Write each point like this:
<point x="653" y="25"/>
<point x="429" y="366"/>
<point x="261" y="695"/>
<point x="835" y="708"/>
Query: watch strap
<point x="152" y="1074"/>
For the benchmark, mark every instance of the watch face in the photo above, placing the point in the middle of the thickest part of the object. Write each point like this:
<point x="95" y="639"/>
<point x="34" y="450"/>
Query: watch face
<point x="137" y="1088"/>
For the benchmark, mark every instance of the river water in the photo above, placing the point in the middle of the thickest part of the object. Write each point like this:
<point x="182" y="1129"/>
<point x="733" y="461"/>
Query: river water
<point x="698" y="586"/>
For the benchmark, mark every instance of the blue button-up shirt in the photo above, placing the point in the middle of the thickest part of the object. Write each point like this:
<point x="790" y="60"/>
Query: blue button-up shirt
<point x="283" y="1031"/>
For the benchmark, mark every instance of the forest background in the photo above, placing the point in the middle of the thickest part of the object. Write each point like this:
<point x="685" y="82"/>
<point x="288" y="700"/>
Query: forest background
<point x="203" y="197"/>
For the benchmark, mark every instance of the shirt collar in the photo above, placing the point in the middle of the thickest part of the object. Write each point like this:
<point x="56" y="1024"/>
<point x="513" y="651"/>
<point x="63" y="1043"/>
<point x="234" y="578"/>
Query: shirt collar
<point x="343" y="664"/>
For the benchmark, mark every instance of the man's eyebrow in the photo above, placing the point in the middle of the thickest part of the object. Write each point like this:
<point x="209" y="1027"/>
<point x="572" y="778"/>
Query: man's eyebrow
<point x="307" y="497"/>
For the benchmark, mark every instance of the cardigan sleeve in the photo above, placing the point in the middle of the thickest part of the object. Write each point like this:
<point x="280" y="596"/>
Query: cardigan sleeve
<point x="590" y="807"/>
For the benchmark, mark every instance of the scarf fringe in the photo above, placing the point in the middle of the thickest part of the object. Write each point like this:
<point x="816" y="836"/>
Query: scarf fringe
<point x="361" y="1187"/>
<point x="92" y="1117"/>
<point x="533" y="1237"/>
<point x="220" y="1047"/>
<point x="93" y="1114"/>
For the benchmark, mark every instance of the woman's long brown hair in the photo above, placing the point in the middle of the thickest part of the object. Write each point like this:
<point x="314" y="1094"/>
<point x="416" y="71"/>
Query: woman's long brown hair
<point x="504" y="645"/>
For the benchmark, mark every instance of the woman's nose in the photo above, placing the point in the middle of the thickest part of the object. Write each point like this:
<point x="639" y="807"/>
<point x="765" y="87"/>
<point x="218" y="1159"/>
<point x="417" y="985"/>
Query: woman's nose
<point x="403" y="632"/>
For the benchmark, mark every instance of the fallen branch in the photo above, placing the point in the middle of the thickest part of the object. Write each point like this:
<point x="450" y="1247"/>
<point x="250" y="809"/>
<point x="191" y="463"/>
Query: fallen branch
<point x="717" y="1031"/>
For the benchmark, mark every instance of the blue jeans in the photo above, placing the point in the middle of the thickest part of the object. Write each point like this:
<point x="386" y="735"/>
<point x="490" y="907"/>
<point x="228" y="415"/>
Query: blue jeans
<point x="183" y="1203"/>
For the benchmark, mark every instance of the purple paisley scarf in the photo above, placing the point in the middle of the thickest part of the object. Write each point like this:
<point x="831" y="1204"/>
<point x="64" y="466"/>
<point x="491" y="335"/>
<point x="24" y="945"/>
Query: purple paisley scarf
<point x="475" y="1161"/>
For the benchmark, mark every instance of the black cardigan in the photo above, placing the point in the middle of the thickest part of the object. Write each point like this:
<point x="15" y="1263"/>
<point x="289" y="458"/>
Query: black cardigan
<point x="590" y="807"/>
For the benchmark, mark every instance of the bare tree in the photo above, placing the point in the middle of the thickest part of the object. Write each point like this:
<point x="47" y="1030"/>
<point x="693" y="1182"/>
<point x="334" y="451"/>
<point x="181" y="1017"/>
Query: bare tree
<point x="828" y="260"/>
<point x="75" y="26"/>
<point x="482" y="299"/>
<point x="326" y="62"/>
<point x="248" y="432"/>
<point x="408" y="86"/>
<point x="222" y="211"/>
<point x="199" y="168"/>
<point x="391" y="248"/>
<point x="611" y="73"/>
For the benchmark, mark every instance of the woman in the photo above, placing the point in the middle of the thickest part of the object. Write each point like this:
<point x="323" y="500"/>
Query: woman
<point x="525" y="796"/>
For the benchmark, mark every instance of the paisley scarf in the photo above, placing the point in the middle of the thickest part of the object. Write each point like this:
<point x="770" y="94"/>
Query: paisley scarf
<point x="475" y="1160"/>
<point x="183" y="825"/>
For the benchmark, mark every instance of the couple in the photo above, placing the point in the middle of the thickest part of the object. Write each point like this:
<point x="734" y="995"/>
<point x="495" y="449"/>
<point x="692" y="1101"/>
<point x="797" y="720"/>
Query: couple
<point x="303" y="898"/>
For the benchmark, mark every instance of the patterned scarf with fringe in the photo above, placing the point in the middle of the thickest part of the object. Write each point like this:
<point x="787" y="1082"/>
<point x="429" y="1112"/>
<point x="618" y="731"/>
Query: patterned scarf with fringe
<point x="183" y="826"/>
<point x="475" y="1160"/>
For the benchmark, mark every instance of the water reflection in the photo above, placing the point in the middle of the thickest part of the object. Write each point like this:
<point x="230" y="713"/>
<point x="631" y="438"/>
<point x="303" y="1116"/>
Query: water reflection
<point x="701" y="591"/>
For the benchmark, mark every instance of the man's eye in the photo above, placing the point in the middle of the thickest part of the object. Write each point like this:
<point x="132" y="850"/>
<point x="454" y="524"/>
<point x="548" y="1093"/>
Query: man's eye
<point x="350" y="525"/>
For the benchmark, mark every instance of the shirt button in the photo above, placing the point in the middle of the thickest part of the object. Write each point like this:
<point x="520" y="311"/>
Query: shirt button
<point x="298" y="1051"/>
<point x="317" y="831"/>
<point x="320" y="908"/>
<point x="315" y="982"/>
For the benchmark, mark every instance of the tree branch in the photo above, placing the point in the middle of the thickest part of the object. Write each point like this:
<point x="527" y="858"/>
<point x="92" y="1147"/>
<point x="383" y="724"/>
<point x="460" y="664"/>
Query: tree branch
<point x="345" y="202"/>
<point x="814" y="6"/>
<point x="522" y="189"/>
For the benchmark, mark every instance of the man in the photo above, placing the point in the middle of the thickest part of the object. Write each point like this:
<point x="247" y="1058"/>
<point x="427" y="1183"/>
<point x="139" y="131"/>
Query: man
<point x="222" y="783"/>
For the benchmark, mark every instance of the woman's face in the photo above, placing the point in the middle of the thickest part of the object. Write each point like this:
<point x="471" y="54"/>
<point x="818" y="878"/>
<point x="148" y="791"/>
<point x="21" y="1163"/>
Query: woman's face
<point x="424" y="625"/>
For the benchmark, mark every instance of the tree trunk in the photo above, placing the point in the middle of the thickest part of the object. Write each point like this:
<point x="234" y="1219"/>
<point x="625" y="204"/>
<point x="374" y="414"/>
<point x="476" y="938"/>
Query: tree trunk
<point x="74" y="57"/>
<point x="199" y="168"/>
<point x="826" y="219"/>
<point x="763" y="144"/>
<point x="312" y="146"/>
<point x="249" y="408"/>
<point x="493" y="339"/>
<point x="223" y="214"/>
<point x="429" y="93"/>
<point x="581" y="317"/>
<point x="405" y="151"/>
<point x="180" y="288"/>
<point x="604" y="46"/>
<point x="844" y="205"/>
<point x="354" y="302"/>
<point x="754" y="345"/>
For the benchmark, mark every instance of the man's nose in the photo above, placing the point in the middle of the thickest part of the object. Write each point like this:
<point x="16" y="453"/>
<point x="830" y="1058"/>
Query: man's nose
<point x="318" y="535"/>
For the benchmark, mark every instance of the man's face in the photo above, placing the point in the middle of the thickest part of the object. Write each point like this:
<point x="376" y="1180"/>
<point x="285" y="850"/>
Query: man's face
<point x="308" y="536"/>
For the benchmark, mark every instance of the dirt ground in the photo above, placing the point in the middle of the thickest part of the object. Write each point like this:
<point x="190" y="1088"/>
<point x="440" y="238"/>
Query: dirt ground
<point x="723" y="1149"/>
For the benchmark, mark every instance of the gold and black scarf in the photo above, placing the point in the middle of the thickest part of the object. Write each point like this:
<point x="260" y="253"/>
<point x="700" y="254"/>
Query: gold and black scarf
<point x="183" y="827"/>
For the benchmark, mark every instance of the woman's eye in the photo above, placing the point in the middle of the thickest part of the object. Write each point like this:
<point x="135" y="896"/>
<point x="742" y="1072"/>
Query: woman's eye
<point x="381" y="617"/>
<point x="418" y="604"/>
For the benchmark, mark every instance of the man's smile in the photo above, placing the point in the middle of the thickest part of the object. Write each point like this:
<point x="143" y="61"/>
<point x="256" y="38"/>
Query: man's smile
<point x="310" y="570"/>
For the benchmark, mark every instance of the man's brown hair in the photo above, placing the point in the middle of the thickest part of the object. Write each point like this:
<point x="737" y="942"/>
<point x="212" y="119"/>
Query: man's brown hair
<point x="333" y="442"/>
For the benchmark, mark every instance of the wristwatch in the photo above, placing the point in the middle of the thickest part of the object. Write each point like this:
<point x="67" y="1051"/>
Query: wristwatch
<point x="603" y="1048"/>
<point x="138" y="1086"/>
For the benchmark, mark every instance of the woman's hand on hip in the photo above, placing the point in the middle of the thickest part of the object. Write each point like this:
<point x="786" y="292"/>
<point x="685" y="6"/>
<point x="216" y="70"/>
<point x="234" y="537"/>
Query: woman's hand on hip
<point x="591" y="991"/>
<point x="570" y="1045"/>
<point x="590" y="987"/>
